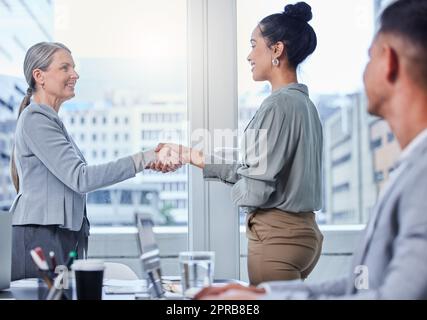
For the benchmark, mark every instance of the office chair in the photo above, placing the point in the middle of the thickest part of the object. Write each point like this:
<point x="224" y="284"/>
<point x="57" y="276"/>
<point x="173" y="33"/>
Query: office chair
<point x="119" y="271"/>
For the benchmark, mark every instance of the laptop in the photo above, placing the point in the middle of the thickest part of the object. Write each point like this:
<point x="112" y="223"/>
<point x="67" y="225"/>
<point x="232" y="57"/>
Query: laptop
<point x="5" y="249"/>
<point x="150" y="260"/>
<point x="149" y="255"/>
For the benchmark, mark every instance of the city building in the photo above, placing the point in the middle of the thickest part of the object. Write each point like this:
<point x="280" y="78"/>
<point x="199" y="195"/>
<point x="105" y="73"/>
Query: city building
<point x="22" y="23"/>
<point x="350" y="191"/>
<point x="385" y="147"/>
<point x="116" y="128"/>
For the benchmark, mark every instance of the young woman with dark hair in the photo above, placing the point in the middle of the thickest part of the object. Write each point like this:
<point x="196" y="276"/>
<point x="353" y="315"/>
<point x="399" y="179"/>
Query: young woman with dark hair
<point x="280" y="200"/>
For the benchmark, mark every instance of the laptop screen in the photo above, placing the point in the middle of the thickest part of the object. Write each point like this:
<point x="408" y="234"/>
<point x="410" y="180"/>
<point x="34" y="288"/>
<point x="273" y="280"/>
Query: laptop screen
<point x="149" y="255"/>
<point x="147" y="242"/>
<point x="5" y="249"/>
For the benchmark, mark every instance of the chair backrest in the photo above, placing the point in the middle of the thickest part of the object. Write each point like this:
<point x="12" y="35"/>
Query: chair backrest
<point x="119" y="271"/>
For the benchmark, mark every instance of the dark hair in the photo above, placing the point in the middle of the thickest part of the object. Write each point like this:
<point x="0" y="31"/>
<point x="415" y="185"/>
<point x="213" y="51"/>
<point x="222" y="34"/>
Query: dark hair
<point x="291" y="27"/>
<point x="408" y="18"/>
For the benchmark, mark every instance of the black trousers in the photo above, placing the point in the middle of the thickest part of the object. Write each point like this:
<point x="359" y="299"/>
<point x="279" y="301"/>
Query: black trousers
<point x="49" y="238"/>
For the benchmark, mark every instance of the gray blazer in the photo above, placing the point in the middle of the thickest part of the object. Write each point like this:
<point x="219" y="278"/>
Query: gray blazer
<point x="393" y="249"/>
<point x="53" y="174"/>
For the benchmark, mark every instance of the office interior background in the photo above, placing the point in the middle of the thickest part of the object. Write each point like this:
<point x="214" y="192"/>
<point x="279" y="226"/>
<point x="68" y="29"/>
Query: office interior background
<point x="154" y="72"/>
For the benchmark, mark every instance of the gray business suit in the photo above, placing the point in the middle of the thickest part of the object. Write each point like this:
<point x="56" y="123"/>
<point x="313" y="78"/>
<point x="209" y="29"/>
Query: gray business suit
<point x="393" y="249"/>
<point x="54" y="179"/>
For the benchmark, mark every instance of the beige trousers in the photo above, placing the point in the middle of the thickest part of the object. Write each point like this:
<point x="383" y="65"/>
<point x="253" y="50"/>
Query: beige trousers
<point x="281" y="245"/>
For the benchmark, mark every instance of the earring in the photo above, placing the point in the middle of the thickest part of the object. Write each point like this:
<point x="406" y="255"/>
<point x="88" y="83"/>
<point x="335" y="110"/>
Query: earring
<point x="275" y="62"/>
<point x="42" y="85"/>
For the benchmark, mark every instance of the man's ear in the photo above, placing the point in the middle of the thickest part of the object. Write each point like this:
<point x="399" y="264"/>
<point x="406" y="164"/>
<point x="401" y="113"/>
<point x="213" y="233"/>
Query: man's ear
<point x="392" y="63"/>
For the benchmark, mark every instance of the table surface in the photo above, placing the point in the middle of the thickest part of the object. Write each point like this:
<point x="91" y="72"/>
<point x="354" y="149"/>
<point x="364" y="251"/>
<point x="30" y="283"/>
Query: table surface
<point x="28" y="289"/>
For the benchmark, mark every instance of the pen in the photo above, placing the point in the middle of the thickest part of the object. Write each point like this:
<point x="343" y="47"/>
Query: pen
<point x="52" y="260"/>
<point x="72" y="255"/>
<point x="44" y="262"/>
<point x="42" y="267"/>
<point x="39" y="259"/>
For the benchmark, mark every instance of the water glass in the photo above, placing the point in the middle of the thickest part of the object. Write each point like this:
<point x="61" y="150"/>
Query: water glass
<point x="197" y="271"/>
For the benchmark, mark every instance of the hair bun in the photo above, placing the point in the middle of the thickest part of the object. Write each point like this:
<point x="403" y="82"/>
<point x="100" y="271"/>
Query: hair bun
<point x="300" y="11"/>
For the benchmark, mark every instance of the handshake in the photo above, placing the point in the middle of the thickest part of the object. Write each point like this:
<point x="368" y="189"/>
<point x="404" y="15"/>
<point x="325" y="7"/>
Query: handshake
<point x="170" y="157"/>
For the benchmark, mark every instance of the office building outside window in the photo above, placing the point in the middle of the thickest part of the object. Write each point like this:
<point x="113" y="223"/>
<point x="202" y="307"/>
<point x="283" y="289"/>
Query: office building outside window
<point x="125" y="74"/>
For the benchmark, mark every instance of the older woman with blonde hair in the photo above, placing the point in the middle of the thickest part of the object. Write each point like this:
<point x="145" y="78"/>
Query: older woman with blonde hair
<point x="50" y="174"/>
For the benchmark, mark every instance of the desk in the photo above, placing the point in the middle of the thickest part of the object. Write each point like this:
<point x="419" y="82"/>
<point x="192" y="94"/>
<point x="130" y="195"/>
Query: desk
<point x="28" y="290"/>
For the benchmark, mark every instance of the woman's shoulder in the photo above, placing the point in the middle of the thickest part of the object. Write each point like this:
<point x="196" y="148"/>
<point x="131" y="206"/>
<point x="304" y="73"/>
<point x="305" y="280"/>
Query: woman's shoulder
<point x="35" y="109"/>
<point x="280" y="102"/>
<point x="288" y="99"/>
<point x="38" y="114"/>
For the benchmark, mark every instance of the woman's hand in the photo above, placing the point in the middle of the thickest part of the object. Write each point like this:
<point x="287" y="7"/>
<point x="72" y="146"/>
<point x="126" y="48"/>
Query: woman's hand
<point x="172" y="156"/>
<point x="167" y="159"/>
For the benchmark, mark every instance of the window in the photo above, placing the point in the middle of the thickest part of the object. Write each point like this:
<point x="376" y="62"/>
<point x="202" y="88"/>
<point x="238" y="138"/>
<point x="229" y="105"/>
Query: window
<point x="377" y="143"/>
<point x="351" y="138"/>
<point x="341" y="160"/>
<point x="147" y="197"/>
<point x="379" y="176"/>
<point x="341" y="188"/>
<point x="137" y="87"/>
<point x="126" y="197"/>
<point x="99" y="197"/>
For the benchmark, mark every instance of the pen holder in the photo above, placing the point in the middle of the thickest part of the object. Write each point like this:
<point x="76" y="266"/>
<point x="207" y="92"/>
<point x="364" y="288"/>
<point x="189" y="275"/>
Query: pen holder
<point x="58" y="291"/>
<point x="42" y="289"/>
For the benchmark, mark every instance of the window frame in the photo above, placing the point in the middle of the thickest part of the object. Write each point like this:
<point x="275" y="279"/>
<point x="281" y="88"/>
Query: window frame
<point x="212" y="104"/>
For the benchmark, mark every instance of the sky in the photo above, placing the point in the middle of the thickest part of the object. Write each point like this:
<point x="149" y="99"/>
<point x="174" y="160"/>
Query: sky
<point x="127" y="45"/>
<point x="141" y="44"/>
